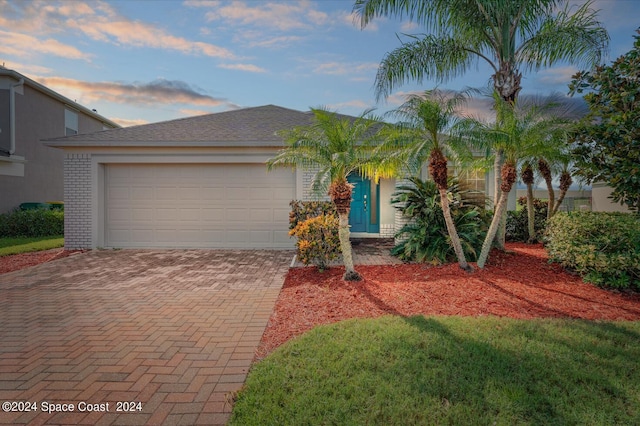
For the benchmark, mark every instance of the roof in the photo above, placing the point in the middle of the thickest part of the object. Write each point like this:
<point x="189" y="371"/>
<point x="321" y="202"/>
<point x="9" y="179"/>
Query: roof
<point x="256" y="126"/>
<point x="55" y="95"/>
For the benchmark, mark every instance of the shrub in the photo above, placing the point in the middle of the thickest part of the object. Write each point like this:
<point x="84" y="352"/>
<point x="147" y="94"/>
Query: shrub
<point x="318" y="241"/>
<point x="32" y="223"/>
<point x="425" y="237"/>
<point x="518" y="222"/>
<point x="604" y="248"/>
<point x="303" y="210"/>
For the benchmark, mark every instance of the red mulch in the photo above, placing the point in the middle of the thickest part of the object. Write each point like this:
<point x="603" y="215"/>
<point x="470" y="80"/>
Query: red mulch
<point x="516" y="284"/>
<point x="15" y="262"/>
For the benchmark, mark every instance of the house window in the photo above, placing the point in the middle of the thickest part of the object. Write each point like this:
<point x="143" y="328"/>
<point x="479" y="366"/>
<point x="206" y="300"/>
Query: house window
<point x="474" y="181"/>
<point x="70" y="123"/>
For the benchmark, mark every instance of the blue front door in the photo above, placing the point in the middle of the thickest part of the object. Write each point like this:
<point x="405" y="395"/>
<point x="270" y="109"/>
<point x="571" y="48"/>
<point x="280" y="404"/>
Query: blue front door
<point x="359" y="217"/>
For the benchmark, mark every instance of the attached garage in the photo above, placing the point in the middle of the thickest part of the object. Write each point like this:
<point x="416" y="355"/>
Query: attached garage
<point x="197" y="182"/>
<point x="197" y="206"/>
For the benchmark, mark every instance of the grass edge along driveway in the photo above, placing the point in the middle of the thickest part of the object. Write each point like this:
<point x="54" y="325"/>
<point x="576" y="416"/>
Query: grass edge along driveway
<point x="18" y="245"/>
<point x="449" y="370"/>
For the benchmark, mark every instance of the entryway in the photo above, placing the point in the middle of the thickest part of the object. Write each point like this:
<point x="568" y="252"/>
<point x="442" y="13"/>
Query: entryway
<point x="365" y="205"/>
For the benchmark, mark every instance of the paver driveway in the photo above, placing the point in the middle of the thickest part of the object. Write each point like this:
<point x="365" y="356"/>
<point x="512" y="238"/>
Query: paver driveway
<point x="174" y="330"/>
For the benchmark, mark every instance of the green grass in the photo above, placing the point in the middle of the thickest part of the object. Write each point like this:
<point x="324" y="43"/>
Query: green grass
<point x="449" y="371"/>
<point x="23" y="245"/>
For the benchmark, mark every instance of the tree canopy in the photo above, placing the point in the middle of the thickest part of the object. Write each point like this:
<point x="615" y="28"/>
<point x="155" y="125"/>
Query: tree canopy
<point x="607" y="140"/>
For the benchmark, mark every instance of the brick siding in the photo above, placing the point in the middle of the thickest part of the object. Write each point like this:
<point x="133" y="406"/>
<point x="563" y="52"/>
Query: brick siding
<point x="77" y="201"/>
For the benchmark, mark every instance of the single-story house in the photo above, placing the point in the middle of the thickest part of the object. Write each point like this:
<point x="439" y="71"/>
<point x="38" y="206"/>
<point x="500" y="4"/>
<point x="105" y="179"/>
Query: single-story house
<point x="199" y="182"/>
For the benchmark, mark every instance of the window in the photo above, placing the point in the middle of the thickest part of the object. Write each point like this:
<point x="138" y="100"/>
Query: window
<point x="70" y="123"/>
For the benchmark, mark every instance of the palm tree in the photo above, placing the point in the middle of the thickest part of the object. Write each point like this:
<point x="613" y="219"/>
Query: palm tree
<point x="334" y="146"/>
<point x="511" y="36"/>
<point x="521" y="133"/>
<point x="424" y="117"/>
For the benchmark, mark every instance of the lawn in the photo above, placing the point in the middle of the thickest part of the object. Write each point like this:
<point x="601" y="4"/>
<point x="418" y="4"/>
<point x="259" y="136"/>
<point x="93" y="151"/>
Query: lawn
<point x="10" y="246"/>
<point x="396" y="370"/>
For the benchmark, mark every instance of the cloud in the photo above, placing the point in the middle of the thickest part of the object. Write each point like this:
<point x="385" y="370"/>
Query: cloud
<point x="282" y="16"/>
<point x="21" y="45"/>
<point x="98" y="21"/>
<point x="125" y="122"/>
<point x="356" y="103"/>
<point x="242" y="67"/>
<point x="274" y="42"/>
<point x="345" y="68"/>
<point x="27" y="69"/>
<point x="192" y="112"/>
<point x="555" y="76"/>
<point x="142" y="94"/>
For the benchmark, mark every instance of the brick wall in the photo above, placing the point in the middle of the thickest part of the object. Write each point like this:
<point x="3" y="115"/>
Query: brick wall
<point x="307" y="193"/>
<point x="77" y="201"/>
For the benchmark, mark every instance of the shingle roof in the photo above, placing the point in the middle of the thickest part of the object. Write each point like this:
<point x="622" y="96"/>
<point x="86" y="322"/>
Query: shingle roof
<point x="255" y="126"/>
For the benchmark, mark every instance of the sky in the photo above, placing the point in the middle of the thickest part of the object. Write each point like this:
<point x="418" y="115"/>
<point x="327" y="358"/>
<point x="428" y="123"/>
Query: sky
<point x="139" y="62"/>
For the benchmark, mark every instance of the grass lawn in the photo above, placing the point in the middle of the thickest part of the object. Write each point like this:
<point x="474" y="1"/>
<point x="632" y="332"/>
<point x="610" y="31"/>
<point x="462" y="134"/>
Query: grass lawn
<point x="449" y="370"/>
<point x="23" y="245"/>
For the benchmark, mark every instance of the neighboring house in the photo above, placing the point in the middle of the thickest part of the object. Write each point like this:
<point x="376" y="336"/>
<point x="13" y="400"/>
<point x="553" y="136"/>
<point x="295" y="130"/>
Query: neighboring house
<point x="30" y="112"/>
<point x="600" y="193"/>
<point x="199" y="182"/>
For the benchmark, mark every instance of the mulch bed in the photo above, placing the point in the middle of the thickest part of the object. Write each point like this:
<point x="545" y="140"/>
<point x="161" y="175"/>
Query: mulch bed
<point x="519" y="283"/>
<point x="15" y="262"/>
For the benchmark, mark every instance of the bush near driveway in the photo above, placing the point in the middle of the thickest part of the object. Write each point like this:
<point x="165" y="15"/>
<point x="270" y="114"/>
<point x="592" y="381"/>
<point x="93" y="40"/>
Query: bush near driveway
<point x="315" y="225"/>
<point x="604" y="248"/>
<point x="32" y="223"/>
<point x="318" y="242"/>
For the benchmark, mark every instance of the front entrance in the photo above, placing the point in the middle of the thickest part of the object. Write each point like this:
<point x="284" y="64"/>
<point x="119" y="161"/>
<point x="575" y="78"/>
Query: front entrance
<point x="365" y="206"/>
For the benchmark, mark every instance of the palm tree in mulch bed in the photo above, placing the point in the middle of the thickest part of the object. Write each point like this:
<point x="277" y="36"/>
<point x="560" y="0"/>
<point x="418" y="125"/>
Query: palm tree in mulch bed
<point x="334" y="146"/>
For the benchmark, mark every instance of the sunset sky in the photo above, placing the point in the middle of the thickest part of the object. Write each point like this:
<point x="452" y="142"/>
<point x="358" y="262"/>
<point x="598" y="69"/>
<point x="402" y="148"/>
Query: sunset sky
<point x="146" y="61"/>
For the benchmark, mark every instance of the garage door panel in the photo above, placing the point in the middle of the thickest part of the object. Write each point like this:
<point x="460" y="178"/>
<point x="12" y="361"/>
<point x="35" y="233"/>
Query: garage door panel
<point x="197" y="205"/>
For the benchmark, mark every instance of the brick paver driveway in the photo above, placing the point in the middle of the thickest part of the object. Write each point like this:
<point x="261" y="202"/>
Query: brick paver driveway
<point x="172" y="330"/>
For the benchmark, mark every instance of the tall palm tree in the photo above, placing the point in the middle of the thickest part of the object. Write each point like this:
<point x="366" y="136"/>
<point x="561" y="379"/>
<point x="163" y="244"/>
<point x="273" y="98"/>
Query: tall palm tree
<point x="511" y="36"/>
<point x="521" y="133"/>
<point x="334" y="146"/>
<point x="424" y="118"/>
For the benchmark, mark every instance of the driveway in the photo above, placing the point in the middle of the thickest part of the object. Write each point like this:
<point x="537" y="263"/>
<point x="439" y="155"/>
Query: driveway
<point x="166" y="337"/>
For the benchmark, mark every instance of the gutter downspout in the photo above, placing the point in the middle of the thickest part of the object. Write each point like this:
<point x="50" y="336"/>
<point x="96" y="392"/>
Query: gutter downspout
<point x="12" y="114"/>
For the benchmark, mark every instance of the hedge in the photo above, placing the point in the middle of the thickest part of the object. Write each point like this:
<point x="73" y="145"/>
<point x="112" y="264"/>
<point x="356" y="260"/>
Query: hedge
<point x="32" y="223"/>
<point x="604" y="248"/>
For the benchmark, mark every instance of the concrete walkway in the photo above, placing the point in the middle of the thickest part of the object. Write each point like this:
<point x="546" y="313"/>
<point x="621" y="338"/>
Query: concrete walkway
<point x="174" y="331"/>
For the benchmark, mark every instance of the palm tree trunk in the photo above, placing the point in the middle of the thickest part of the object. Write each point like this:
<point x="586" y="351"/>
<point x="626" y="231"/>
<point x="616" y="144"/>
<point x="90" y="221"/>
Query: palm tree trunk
<point x="508" y="176"/>
<point x="493" y="230"/>
<point x="497" y="167"/>
<point x="545" y="171"/>
<point x="531" y="216"/>
<point x="565" y="184"/>
<point x="453" y="232"/>
<point x="350" y="273"/>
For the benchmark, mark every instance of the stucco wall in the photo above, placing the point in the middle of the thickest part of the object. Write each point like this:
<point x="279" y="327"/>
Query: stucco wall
<point x="600" y="201"/>
<point x="39" y="116"/>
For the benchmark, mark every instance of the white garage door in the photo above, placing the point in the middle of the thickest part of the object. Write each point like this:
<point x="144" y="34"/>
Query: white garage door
<point x="197" y="206"/>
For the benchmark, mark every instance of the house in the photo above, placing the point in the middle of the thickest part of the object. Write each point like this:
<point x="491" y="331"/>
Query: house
<point x="199" y="182"/>
<point x="30" y="112"/>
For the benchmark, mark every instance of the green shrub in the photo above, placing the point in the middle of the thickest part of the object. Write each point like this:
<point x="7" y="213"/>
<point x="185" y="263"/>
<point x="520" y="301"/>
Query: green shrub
<point x="604" y="248"/>
<point x="518" y="222"/>
<point x="32" y="223"/>
<point x="425" y="237"/>
<point x="318" y="241"/>
<point x="303" y="210"/>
